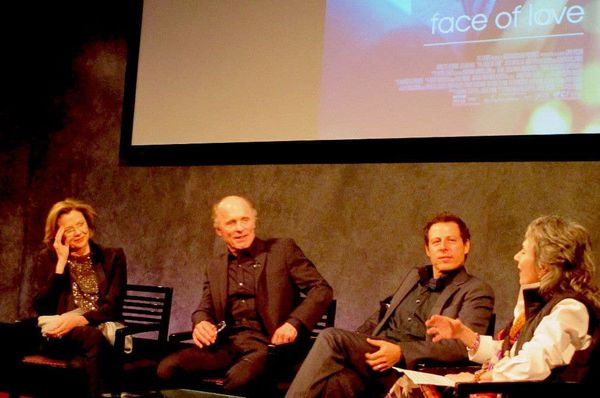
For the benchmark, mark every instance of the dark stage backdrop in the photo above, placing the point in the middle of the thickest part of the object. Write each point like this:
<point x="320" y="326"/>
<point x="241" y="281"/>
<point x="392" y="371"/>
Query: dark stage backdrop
<point x="360" y="223"/>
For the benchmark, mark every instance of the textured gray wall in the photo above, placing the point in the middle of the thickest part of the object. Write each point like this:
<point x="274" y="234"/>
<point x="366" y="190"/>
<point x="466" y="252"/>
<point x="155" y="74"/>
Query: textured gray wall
<point x="360" y="223"/>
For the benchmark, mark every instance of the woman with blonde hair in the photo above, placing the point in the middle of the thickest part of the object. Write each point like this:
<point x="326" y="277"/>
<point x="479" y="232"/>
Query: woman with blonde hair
<point x="79" y="285"/>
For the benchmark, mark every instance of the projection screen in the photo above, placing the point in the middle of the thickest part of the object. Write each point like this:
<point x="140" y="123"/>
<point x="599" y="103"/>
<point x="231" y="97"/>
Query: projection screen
<point x="319" y="75"/>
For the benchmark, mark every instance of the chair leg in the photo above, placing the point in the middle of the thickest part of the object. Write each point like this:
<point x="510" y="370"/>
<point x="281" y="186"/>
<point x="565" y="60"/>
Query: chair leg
<point x="16" y="383"/>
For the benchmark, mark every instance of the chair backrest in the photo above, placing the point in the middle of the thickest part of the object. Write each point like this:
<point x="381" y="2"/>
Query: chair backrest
<point x="149" y="305"/>
<point x="491" y="325"/>
<point x="326" y="321"/>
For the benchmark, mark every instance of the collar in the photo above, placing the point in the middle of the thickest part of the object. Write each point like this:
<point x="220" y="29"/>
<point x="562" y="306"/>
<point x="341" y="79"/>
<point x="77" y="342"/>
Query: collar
<point x="533" y="301"/>
<point x="529" y="301"/>
<point x="253" y="251"/>
<point x="96" y="252"/>
<point x="427" y="280"/>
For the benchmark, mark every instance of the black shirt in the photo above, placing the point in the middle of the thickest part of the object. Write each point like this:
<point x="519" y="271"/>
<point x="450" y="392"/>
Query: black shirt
<point x="407" y="323"/>
<point x="243" y="272"/>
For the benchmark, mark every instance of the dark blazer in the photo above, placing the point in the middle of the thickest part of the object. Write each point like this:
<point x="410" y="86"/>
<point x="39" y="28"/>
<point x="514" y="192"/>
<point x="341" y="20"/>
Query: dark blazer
<point x="466" y="297"/>
<point x="53" y="290"/>
<point x="284" y="273"/>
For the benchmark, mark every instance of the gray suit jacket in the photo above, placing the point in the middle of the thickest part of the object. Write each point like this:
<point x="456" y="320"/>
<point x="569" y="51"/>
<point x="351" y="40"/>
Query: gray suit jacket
<point x="284" y="273"/>
<point x="466" y="297"/>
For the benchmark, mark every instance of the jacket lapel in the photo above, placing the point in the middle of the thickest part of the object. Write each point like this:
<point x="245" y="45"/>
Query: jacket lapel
<point x="260" y="280"/>
<point x="449" y="291"/>
<point x="407" y="286"/>
<point x="100" y="263"/>
<point x="402" y="291"/>
<point x="260" y="264"/>
<point x="219" y="271"/>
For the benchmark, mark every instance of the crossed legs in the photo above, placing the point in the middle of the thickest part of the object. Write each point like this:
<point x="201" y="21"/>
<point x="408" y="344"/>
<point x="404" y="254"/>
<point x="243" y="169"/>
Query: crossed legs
<point x="336" y="367"/>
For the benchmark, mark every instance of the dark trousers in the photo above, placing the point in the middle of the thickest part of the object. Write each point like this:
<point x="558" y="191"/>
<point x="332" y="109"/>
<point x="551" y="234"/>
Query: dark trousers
<point x="336" y="367"/>
<point x="242" y="355"/>
<point x="84" y="348"/>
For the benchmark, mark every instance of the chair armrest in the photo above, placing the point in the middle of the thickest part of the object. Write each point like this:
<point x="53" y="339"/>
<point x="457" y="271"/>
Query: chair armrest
<point x="444" y="368"/>
<point x="180" y="337"/>
<point x="284" y="354"/>
<point x="520" y="388"/>
<point x="140" y="328"/>
<point x="130" y="330"/>
<point x="282" y="349"/>
<point x="25" y="322"/>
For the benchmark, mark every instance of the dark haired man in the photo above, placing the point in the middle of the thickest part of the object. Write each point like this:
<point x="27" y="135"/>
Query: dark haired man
<point x="349" y="364"/>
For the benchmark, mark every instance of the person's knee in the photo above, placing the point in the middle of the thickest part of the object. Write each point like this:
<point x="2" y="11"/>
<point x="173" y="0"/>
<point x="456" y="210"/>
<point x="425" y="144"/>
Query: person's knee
<point x="91" y="340"/>
<point x="166" y="368"/>
<point x="325" y="336"/>
<point x="88" y="336"/>
<point x="242" y="373"/>
<point x="236" y="380"/>
<point x="329" y="337"/>
<point x="346" y="383"/>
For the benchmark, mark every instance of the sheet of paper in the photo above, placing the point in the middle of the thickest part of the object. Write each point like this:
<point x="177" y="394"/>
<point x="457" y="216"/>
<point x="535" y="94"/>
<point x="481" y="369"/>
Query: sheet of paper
<point x="426" y="378"/>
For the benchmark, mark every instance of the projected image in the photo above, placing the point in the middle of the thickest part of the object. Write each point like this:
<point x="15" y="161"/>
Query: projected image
<point x="398" y="68"/>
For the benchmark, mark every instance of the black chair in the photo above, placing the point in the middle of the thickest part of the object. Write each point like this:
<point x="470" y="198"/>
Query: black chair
<point x="282" y="364"/>
<point x="523" y="389"/>
<point x="147" y="312"/>
<point x="146" y="309"/>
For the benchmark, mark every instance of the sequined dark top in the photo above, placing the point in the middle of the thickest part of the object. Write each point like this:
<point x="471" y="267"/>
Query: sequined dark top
<point x="84" y="283"/>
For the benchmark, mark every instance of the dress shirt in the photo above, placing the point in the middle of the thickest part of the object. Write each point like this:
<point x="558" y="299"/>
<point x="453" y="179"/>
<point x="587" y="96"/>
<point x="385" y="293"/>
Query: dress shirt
<point x="241" y="291"/>
<point x="408" y="321"/>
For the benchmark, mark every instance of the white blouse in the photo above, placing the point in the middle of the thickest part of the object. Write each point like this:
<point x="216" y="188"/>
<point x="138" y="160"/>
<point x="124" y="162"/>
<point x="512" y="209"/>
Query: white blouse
<point x="555" y="340"/>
